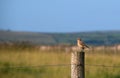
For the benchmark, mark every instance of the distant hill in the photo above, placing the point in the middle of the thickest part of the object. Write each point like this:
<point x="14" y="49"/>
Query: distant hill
<point x="37" y="38"/>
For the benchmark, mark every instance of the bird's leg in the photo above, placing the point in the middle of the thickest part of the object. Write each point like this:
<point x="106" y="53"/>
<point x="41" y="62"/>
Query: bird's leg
<point x="82" y="50"/>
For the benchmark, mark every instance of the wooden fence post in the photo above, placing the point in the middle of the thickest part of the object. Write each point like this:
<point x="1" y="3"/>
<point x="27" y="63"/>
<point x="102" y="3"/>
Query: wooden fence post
<point x="77" y="64"/>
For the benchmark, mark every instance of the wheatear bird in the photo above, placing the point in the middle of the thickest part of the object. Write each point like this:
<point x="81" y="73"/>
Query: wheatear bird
<point x="81" y="44"/>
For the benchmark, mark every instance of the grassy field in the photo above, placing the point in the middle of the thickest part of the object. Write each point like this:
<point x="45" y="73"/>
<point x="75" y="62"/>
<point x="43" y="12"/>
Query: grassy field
<point x="47" y="64"/>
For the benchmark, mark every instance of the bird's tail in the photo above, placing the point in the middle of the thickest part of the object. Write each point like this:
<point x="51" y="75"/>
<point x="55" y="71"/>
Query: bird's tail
<point x="86" y="46"/>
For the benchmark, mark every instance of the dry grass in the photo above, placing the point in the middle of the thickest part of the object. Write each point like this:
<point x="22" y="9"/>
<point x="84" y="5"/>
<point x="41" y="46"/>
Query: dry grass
<point x="32" y="64"/>
<point x="30" y="58"/>
<point x="102" y="71"/>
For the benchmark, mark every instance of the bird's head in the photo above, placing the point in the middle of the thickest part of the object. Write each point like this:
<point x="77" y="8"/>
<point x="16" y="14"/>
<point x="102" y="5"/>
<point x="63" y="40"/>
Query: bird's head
<point x="79" y="39"/>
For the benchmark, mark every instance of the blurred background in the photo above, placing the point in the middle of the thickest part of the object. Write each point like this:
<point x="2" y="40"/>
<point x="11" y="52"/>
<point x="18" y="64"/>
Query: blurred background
<point x="36" y="37"/>
<point x="60" y="21"/>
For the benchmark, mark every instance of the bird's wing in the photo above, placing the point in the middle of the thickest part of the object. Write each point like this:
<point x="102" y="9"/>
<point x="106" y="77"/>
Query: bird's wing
<point x="84" y="44"/>
<point x="87" y="46"/>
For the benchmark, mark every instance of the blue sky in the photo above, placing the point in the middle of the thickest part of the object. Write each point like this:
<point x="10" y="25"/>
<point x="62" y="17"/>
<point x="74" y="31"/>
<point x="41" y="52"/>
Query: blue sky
<point x="60" y="15"/>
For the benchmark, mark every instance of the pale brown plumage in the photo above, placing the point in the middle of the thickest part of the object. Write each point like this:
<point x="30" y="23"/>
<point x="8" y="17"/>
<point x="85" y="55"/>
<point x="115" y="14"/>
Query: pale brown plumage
<point x="81" y="44"/>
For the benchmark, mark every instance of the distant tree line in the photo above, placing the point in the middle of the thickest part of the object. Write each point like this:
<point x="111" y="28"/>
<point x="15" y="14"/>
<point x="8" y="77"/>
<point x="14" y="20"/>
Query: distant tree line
<point x="91" y="38"/>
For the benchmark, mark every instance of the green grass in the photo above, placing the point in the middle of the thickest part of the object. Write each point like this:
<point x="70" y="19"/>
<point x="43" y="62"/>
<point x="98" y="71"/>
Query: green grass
<point x="102" y="71"/>
<point x="31" y="64"/>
